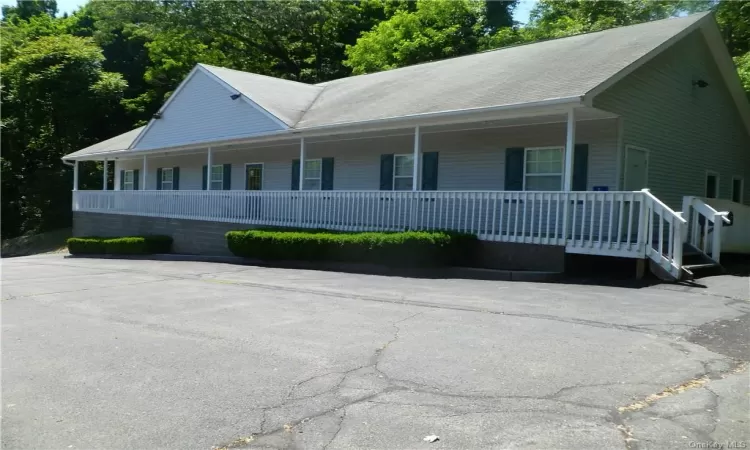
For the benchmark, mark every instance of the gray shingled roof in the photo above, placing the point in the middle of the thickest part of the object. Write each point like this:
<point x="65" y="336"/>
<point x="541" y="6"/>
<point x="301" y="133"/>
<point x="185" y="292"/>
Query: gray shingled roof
<point x="285" y="99"/>
<point x="556" y="69"/>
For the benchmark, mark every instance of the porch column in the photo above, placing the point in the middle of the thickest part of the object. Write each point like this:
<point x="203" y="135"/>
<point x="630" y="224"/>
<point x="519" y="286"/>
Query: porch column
<point x="104" y="175"/>
<point x="569" y="149"/>
<point x="75" y="175"/>
<point x="209" y="163"/>
<point x="301" y="163"/>
<point x="145" y="171"/>
<point x="417" y="150"/>
<point x="117" y="176"/>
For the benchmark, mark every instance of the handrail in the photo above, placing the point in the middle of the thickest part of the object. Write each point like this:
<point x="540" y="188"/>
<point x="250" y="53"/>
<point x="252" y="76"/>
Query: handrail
<point x="700" y="240"/>
<point x="669" y="258"/>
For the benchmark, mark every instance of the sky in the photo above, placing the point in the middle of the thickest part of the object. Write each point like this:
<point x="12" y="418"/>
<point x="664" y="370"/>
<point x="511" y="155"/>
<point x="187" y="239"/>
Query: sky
<point x="521" y="13"/>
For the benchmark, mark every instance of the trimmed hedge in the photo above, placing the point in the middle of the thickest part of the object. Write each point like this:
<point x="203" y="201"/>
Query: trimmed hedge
<point x="132" y="245"/>
<point x="401" y="249"/>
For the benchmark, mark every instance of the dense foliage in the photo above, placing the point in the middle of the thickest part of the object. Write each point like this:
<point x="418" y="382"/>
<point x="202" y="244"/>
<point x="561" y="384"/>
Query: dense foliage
<point x="71" y="81"/>
<point x="404" y="249"/>
<point x="131" y="245"/>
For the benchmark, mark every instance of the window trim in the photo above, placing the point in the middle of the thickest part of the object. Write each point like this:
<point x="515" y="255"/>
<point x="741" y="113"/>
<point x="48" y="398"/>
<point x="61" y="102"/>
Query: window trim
<point x="262" y="171"/>
<point x="742" y="188"/>
<point x="171" y="182"/>
<point x="125" y="181"/>
<point x="705" y="183"/>
<point x="211" y="181"/>
<point x="411" y="176"/>
<point x="319" y="178"/>
<point x="562" y="161"/>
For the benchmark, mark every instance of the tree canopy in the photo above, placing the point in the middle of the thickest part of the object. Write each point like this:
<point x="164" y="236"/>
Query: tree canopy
<point x="70" y="81"/>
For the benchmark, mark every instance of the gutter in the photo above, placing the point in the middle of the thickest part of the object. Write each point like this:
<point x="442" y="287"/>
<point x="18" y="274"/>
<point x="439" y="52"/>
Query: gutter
<point x="346" y="127"/>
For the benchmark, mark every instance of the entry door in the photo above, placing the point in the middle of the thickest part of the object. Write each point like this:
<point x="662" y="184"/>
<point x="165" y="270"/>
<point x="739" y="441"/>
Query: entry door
<point x="254" y="182"/>
<point x="636" y="169"/>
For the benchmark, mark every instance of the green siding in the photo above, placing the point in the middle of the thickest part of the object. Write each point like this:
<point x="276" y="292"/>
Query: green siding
<point x="687" y="130"/>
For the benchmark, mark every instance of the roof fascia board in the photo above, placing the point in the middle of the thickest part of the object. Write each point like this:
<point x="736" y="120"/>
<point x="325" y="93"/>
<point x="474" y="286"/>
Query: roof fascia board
<point x="250" y="101"/>
<point x="429" y="119"/>
<point x="728" y="70"/>
<point x="164" y="107"/>
<point x="589" y="96"/>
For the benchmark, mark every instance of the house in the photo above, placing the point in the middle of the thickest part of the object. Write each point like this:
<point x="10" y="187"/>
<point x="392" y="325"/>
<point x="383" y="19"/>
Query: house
<point x="540" y="149"/>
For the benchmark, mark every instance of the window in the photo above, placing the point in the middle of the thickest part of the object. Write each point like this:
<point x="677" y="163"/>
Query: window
<point x="128" y="182"/>
<point x="167" y="179"/>
<point x="712" y="185"/>
<point x="312" y="174"/>
<point x="544" y="169"/>
<point x="403" y="172"/>
<point x="737" y="187"/>
<point x="217" y="177"/>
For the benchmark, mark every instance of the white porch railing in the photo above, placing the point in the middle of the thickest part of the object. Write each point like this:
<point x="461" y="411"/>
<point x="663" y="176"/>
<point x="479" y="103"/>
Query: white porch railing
<point x="704" y="226"/>
<point x="605" y="223"/>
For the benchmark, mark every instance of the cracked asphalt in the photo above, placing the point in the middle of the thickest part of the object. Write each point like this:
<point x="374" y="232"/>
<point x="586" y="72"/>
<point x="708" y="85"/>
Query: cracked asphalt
<point x="111" y="354"/>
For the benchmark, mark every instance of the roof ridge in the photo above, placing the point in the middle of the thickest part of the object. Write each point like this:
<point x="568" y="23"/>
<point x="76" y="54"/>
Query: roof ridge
<point x="499" y="49"/>
<point x="209" y="67"/>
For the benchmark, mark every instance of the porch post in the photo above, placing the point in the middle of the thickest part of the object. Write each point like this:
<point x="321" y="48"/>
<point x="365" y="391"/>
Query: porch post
<point x="208" y="169"/>
<point x="104" y="175"/>
<point x="145" y="171"/>
<point x="301" y="163"/>
<point x="569" y="149"/>
<point x="75" y="175"/>
<point x="417" y="149"/>
<point x="117" y="176"/>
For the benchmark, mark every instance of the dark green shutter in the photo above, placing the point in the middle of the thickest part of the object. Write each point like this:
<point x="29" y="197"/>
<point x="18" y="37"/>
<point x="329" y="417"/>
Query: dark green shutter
<point x="580" y="167"/>
<point x="136" y="179"/>
<point x="205" y="177"/>
<point x="514" y="169"/>
<point x="326" y="182"/>
<point x="429" y="171"/>
<point x="122" y="180"/>
<point x="227" y="177"/>
<point x="158" y="179"/>
<point x="295" y="174"/>
<point x="386" y="172"/>
<point x="175" y="178"/>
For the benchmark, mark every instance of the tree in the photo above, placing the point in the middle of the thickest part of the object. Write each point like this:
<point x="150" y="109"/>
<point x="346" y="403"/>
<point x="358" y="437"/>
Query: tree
<point x="56" y="99"/>
<point x="26" y="9"/>
<point x="436" y="29"/>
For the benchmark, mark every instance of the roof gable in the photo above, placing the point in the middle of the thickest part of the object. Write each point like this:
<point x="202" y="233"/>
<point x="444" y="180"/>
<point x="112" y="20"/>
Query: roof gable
<point x="204" y="108"/>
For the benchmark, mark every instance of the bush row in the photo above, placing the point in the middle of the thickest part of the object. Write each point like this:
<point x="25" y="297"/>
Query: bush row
<point x="133" y="245"/>
<point x="400" y="249"/>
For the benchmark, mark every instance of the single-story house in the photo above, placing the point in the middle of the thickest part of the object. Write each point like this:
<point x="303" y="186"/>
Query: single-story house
<point x="605" y="143"/>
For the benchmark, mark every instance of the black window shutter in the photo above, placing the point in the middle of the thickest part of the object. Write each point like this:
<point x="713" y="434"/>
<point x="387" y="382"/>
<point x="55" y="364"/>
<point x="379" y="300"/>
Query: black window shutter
<point x="122" y="180"/>
<point x="429" y="171"/>
<point x="136" y="179"/>
<point x="158" y="179"/>
<point x="205" y="177"/>
<point x="580" y="167"/>
<point x="295" y="174"/>
<point x="386" y="172"/>
<point x="326" y="182"/>
<point x="175" y="178"/>
<point x="227" y="177"/>
<point x="514" y="169"/>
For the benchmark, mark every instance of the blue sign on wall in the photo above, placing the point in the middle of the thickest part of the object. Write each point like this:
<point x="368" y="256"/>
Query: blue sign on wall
<point x="601" y="188"/>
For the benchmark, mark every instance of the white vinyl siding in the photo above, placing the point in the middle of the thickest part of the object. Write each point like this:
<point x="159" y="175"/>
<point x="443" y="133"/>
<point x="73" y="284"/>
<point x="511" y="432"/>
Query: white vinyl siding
<point x="689" y="130"/>
<point x="468" y="160"/>
<point x="203" y="111"/>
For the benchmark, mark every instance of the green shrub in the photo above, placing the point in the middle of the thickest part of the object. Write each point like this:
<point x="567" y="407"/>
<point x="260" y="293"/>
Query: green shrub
<point x="133" y="245"/>
<point x="401" y="249"/>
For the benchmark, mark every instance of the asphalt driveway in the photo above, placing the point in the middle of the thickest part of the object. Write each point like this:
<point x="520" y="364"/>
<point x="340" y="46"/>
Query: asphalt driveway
<point x="145" y="354"/>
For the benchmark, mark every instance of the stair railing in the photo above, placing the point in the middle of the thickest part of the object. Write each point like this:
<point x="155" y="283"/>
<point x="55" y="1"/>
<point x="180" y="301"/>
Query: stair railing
<point x="664" y="234"/>
<point x="705" y="224"/>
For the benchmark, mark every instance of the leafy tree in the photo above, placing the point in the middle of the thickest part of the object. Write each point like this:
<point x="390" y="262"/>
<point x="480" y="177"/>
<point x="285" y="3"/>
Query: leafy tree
<point x="26" y="9"/>
<point x="436" y="29"/>
<point x="56" y="99"/>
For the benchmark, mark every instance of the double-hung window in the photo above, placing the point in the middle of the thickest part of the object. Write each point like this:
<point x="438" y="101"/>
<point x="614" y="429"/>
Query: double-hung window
<point x="403" y="172"/>
<point x="543" y="169"/>
<point x="167" y="179"/>
<point x="217" y="177"/>
<point x="312" y="175"/>
<point x="129" y="182"/>
<point x="738" y="184"/>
